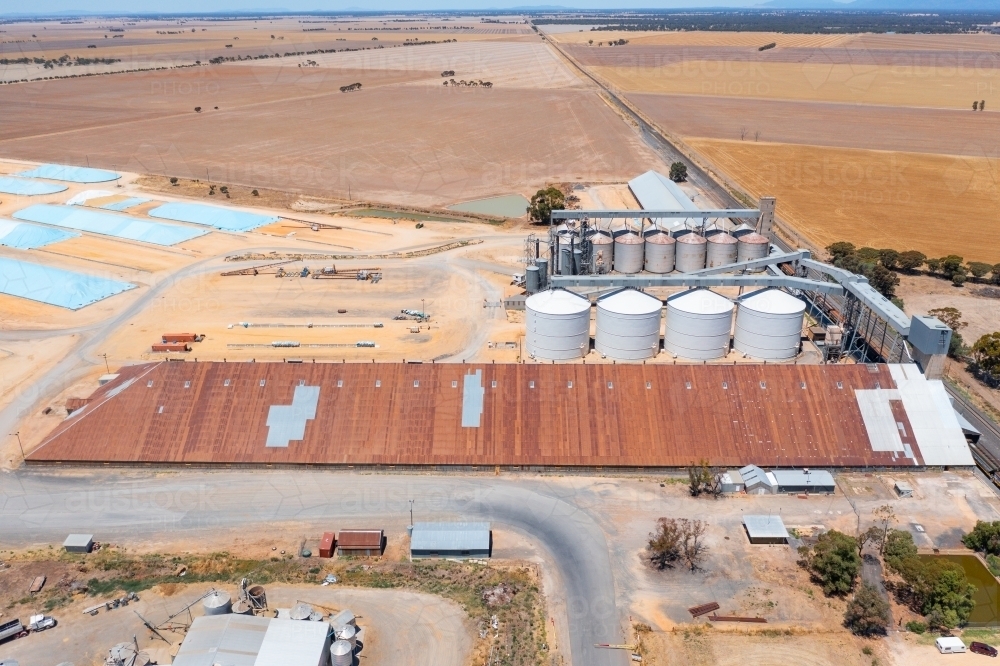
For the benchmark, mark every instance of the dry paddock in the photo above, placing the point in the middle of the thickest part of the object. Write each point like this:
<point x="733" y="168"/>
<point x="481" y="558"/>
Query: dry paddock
<point x="818" y="123"/>
<point x="414" y="145"/>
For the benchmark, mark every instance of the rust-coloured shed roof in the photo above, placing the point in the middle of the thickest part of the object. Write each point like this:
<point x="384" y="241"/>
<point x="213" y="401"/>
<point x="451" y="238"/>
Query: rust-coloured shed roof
<point x="359" y="539"/>
<point x="538" y="415"/>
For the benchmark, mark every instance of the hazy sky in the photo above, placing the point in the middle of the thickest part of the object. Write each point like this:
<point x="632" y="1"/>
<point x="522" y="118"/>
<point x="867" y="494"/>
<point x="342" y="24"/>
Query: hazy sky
<point x="174" y="6"/>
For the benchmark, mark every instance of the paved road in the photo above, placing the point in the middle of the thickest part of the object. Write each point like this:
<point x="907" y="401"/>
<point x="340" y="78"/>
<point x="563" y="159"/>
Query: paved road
<point x="42" y="506"/>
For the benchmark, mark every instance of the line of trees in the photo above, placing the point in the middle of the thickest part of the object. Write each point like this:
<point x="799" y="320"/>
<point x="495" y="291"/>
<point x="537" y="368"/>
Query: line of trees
<point x="951" y="267"/>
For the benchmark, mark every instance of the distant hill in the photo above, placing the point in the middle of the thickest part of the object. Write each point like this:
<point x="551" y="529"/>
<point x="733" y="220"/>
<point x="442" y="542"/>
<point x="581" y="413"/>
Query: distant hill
<point x="887" y="5"/>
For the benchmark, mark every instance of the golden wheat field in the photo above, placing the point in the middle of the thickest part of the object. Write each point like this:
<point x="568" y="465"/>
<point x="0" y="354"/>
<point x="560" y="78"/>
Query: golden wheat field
<point x="702" y="38"/>
<point x="816" y="80"/>
<point x="937" y="204"/>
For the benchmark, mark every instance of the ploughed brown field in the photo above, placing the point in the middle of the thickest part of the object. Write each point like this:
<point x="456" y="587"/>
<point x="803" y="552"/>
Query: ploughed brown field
<point x="283" y="123"/>
<point x="818" y="121"/>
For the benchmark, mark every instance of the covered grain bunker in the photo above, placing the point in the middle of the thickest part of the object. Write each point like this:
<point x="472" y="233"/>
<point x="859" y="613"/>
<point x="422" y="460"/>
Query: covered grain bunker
<point x="628" y="252"/>
<point x="660" y="251"/>
<point x="721" y="250"/>
<point x="769" y="325"/>
<point x="698" y="324"/>
<point x="690" y="252"/>
<point x="628" y="325"/>
<point x="451" y="540"/>
<point x="557" y="325"/>
<point x="602" y="252"/>
<point x="750" y="246"/>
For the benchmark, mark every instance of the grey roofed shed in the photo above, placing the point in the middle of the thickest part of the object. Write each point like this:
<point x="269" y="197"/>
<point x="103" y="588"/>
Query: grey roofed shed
<point x="757" y="481"/>
<point x="802" y="481"/>
<point x="765" y="529"/>
<point x="79" y="543"/>
<point x="233" y="640"/>
<point x="451" y="540"/>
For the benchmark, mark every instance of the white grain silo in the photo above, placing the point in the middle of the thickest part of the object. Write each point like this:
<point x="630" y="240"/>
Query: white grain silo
<point x="628" y="325"/>
<point x="690" y="253"/>
<point x="660" y="247"/>
<point x="341" y="654"/>
<point x="698" y="324"/>
<point x="217" y="603"/>
<point x="602" y="252"/>
<point x="752" y="246"/>
<point x="628" y="253"/>
<point x="721" y="250"/>
<point x="769" y="325"/>
<point x="557" y="325"/>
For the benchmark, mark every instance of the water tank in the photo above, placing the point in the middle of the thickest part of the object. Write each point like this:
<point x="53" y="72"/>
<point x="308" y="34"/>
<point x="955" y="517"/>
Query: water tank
<point x="752" y="246"/>
<point x="660" y="248"/>
<point x="769" y="325"/>
<point x="341" y="654"/>
<point x="628" y="253"/>
<point x="721" y="250"/>
<point x="690" y="253"/>
<point x="217" y="603"/>
<point x="557" y="325"/>
<point x="348" y="633"/>
<point x="531" y="280"/>
<point x="602" y="252"/>
<point x="698" y="324"/>
<point x="628" y="325"/>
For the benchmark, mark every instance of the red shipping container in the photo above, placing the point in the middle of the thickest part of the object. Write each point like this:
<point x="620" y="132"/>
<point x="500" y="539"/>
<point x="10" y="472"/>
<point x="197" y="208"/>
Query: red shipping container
<point x="179" y="337"/>
<point x="172" y="347"/>
<point x="326" y="545"/>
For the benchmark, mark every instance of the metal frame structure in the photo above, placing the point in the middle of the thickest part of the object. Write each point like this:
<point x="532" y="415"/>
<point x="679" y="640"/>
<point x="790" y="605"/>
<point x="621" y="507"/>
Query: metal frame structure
<point x="742" y="213"/>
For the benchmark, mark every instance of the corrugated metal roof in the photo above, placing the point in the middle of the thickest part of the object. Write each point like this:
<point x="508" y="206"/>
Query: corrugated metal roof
<point x="629" y="415"/>
<point x="360" y="539"/>
<point x="629" y="302"/>
<point x="294" y="643"/>
<point x="557" y="302"/>
<point x="233" y="640"/>
<point x="450" y="537"/>
<point x="78" y="540"/>
<point x="772" y="301"/>
<point x="798" y="478"/>
<point x="654" y="191"/>
<point x="765" y="527"/>
<point x="700" y="301"/>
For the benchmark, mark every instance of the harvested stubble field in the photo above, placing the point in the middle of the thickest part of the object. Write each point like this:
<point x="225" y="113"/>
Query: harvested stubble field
<point x="820" y="123"/>
<point x="413" y="145"/>
<point x="817" y="80"/>
<point x="937" y="204"/>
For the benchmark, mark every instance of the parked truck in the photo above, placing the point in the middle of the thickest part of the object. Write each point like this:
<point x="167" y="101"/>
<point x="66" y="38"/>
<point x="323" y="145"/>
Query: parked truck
<point x="12" y="629"/>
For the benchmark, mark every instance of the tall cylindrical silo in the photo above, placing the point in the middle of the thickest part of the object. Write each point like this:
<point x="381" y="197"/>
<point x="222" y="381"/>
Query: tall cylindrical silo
<point x="769" y="325"/>
<point x="628" y="325"/>
<point x="721" y="250"/>
<point x="602" y="252"/>
<point x="660" y="251"/>
<point x="577" y="261"/>
<point x="341" y="654"/>
<point x="698" y="324"/>
<point x="628" y="253"/>
<point x="690" y="253"/>
<point x="557" y="325"/>
<point x="531" y="280"/>
<point x="348" y="633"/>
<point x="217" y="603"/>
<point x="543" y="273"/>
<point x="752" y="246"/>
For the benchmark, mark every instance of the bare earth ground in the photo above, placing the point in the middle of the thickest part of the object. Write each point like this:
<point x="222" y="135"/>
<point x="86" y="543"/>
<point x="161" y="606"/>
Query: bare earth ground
<point x="921" y="293"/>
<point x="826" y="124"/>
<point x="400" y="626"/>
<point x="933" y="203"/>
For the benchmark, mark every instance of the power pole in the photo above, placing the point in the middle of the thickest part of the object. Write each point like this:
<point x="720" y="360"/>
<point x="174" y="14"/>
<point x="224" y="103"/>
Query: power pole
<point x="21" y="446"/>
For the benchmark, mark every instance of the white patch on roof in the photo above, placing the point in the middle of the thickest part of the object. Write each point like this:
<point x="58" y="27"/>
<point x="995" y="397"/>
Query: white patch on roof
<point x="932" y="418"/>
<point x="879" y="420"/>
<point x="288" y="642"/>
<point x="288" y="422"/>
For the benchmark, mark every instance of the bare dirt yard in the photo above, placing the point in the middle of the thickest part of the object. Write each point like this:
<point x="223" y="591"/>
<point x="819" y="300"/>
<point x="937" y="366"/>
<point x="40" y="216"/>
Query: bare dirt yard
<point x="932" y="203"/>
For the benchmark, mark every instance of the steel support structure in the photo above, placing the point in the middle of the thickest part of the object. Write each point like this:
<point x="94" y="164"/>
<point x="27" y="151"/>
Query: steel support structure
<point x="691" y="280"/>
<point x="741" y="213"/>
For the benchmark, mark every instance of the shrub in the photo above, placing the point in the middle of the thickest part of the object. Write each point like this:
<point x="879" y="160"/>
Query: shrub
<point x="984" y="537"/>
<point x="833" y="562"/>
<point x="868" y="613"/>
<point x="173" y="181"/>
<point x="678" y="172"/>
<point x="958" y="279"/>
<point x="916" y="626"/>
